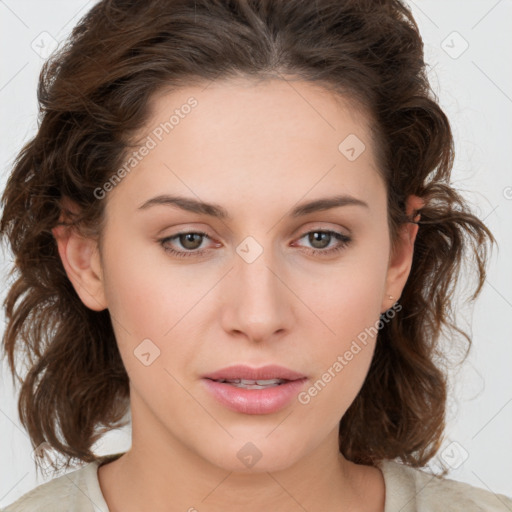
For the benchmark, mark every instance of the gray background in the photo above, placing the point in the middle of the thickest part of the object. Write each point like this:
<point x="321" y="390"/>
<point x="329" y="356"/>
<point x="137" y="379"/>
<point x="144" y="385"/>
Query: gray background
<point x="468" y="47"/>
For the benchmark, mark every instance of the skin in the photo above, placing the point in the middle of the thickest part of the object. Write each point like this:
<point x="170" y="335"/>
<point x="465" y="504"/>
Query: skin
<point x="257" y="150"/>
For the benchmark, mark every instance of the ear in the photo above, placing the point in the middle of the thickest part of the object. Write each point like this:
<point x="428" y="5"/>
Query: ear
<point x="81" y="261"/>
<point x="400" y="262"/>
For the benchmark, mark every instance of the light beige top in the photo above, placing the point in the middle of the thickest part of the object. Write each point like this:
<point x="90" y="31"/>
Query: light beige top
<point x="407" y="490"/>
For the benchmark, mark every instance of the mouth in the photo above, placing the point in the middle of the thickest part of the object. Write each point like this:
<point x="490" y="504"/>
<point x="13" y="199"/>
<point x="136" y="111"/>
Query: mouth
<point x="247" y="390"/>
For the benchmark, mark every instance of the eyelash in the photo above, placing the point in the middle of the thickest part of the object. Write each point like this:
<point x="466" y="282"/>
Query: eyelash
<point x="343" y="239"/>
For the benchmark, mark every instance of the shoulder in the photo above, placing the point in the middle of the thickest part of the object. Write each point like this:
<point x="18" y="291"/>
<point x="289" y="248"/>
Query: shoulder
<point x="76" y="490"/>
<point x="413" y="490"/>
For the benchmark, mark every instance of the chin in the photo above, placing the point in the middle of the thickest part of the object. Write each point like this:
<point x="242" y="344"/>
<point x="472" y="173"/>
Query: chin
<point x="261" y="454"/>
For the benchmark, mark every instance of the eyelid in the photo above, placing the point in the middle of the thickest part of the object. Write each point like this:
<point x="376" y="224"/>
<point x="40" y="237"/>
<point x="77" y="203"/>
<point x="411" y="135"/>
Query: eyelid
<point x="318" y="227"/>
<point x="297" y="234"/>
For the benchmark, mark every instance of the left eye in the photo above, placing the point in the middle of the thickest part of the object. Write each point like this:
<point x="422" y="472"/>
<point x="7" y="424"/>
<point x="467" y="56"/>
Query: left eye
<point x="323" y="238"/>
<point x="191" y="241"/>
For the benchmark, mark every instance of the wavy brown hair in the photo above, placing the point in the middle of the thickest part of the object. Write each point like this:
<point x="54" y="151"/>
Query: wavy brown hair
<point x="94" y="95"/>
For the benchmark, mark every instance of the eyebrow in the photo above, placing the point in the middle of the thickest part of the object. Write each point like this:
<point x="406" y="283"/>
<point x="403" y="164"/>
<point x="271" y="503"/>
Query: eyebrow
<point x="215" y="210"/>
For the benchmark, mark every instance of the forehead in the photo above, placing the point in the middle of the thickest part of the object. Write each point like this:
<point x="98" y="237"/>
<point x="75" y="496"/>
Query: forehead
<point x="253" y="136"/>
<point x="241" y="102"/>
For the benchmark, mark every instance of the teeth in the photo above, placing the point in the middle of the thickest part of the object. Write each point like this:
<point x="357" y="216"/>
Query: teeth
<point x="269" y="382"/>
<point x="253" y="384"/>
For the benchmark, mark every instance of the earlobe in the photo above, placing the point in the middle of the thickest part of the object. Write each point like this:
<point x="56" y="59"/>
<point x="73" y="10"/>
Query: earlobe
<point x="80" y="258"/>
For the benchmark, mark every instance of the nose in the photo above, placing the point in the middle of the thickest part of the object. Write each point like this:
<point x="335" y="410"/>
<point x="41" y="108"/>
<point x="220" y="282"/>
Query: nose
<point x="256" y="302"/>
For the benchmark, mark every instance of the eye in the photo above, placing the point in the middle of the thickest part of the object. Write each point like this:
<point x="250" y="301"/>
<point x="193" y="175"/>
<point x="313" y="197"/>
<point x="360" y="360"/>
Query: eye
<point x="189" y="240"/>
<point x="321" y="239"/>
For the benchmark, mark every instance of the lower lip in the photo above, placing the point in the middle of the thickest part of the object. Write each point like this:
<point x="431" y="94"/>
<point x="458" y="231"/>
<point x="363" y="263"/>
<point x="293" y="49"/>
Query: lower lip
<point x="255" y="401"/>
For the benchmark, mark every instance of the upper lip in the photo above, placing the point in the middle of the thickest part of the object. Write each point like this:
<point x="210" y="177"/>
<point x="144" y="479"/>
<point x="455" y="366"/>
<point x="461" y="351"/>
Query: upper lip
<point x="246" y="372"/>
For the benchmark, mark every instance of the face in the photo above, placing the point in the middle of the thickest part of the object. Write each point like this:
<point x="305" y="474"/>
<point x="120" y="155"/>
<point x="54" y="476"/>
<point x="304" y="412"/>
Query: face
<point x="256" y="279"/>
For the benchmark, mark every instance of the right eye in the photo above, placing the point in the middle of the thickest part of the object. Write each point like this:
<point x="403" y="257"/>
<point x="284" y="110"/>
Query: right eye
<point x="188" y="240"/>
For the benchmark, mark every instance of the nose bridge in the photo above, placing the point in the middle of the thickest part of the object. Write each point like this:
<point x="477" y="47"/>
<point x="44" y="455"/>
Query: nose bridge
<point x="257" y="304"/>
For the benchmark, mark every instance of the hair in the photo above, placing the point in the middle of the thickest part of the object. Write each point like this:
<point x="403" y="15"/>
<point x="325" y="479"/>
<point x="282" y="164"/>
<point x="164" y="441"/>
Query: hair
<point x="94" y="94"/>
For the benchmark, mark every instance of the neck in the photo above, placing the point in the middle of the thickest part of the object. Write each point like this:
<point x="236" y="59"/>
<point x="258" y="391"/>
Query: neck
<point x="160" y="472"/>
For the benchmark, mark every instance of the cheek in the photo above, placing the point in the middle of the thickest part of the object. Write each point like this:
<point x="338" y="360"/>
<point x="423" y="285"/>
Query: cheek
<point x="340" y="361"/>
<point x="347" y="298"/>
<point x="145" y="295"/>
<point x="149" y="305"/>
<point x="347" y="307"/>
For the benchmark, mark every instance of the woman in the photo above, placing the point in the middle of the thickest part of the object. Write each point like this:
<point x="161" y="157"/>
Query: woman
<point x="236" y="223"/>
